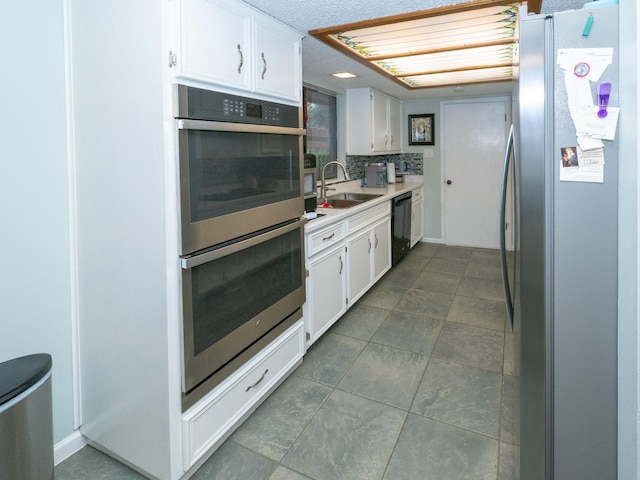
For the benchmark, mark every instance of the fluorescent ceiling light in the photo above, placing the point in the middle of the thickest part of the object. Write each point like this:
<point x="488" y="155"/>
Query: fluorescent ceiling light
<point x="344" y="75"/>
<point x="475" y="42"/>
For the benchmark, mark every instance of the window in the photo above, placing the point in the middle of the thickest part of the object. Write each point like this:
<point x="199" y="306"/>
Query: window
<point x="320" y="122"/>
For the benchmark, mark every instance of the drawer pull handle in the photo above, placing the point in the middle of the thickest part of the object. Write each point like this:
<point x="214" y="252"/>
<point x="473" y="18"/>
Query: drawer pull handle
<point x="329" y="237"/>
<point x="341" y="265"/>
<point x="259" y="380"/>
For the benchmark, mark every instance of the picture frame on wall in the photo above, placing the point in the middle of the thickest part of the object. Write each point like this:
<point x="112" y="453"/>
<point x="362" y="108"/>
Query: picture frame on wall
<point x="422" y="129"/>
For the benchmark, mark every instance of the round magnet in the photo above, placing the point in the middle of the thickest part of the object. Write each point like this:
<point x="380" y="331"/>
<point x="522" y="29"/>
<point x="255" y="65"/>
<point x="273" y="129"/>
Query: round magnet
<point x="581" y="69"/>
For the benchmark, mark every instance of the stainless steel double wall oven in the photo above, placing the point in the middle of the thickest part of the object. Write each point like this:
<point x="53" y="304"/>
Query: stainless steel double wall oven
<point x="242" y="238"/>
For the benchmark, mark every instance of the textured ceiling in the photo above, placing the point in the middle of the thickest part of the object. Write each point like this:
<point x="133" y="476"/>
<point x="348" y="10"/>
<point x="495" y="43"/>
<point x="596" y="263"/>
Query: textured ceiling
<point x="319" y="60"/>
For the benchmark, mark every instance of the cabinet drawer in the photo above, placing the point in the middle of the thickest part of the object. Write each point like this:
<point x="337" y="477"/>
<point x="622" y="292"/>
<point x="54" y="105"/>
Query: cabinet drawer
<point x="208" y="422"/>
<point x="416" y="195"/>
<point x="322" y="239"/>
<point x="368" y="216"/>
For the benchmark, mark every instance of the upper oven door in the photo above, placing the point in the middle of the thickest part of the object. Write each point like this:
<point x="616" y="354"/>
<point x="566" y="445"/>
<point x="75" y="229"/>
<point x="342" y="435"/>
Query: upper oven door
<point x="236" y="179"/>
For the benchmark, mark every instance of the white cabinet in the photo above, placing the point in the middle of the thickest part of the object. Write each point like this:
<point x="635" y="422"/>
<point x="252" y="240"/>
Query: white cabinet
<point x="381" y="257"/>
<point x="215" y="43"/>
<point x="394" y="108"/>
<point x="344" y="260"/>
<point x="373" y="123"/>
<point x="416" y="216"/>
<point x="368" y="257"/>
<point x="359" y="265"/>
<point x="131" y="368"/>
<point x="232" y="45"/>
<point x="278" y="57"/>
<point x="326" y="283"/>
<point x="326" y="290"/>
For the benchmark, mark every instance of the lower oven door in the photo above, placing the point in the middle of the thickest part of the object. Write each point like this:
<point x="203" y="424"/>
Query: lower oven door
<point x="235" y="294"/>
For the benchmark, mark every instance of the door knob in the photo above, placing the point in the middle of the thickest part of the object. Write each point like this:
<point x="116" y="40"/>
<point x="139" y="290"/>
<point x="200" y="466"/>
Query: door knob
<point x="448" y="182"/>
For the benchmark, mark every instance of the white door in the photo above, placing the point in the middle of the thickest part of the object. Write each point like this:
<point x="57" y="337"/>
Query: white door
<point x="474" y="140"/>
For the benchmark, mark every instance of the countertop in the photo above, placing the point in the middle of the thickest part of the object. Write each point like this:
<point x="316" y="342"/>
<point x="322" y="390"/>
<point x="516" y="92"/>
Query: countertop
<point x="331" y="215"/>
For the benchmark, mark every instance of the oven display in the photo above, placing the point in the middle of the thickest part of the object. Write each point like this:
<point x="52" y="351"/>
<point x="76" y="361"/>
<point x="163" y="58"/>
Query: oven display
<point x="254" y="110"/>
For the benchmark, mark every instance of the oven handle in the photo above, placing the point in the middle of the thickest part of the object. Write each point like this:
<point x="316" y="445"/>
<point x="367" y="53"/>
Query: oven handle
<point x="202" y="258"/>
<point x="184" y="124"/>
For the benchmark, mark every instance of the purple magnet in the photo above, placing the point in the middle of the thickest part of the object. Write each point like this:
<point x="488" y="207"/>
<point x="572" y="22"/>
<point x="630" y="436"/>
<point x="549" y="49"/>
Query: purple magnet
<point x="604" y="89"/>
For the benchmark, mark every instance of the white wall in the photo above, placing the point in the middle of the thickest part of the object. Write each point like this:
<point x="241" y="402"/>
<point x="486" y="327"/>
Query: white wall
<point x="35" y="278"/>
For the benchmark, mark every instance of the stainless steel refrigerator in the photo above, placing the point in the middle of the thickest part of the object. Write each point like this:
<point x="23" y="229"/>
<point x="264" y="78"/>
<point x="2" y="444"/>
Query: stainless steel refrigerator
<point x="562" y="285"/>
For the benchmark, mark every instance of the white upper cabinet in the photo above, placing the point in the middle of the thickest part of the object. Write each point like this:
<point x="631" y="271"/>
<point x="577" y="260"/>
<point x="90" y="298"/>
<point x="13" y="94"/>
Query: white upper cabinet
<point x="215" y="41"/>
<point x="373" y="123"/>
<point x="231" y="45"/>
<point x="395" y="125"/>
<point x="277" y="54"/>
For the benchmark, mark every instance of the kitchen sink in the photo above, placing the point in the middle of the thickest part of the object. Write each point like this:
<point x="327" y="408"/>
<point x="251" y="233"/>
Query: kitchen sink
<point x="361" y="197"/>
<point x="346" y="200"/>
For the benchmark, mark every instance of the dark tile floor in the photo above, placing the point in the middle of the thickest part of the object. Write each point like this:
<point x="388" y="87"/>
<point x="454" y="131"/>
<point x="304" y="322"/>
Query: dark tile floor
<point x="414" y="382"/>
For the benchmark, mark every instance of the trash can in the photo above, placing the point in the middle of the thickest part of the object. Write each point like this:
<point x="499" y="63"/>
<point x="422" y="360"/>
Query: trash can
<point x="26" y="418"/>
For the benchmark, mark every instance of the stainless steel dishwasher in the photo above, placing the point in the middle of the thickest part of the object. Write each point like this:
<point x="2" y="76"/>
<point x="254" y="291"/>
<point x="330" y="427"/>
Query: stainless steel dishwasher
<point x="400" y="226"/>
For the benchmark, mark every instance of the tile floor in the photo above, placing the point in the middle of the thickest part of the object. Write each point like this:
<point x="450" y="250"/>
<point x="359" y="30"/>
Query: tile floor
<point x="414" y="382"/>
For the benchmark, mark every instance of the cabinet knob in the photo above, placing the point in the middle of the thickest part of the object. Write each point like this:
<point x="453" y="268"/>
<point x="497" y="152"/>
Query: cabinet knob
<point x="449" y="182"/>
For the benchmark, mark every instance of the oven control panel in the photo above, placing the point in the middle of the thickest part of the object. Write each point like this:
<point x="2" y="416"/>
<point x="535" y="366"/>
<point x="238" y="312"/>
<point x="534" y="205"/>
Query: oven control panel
<point x="200" y="104"/>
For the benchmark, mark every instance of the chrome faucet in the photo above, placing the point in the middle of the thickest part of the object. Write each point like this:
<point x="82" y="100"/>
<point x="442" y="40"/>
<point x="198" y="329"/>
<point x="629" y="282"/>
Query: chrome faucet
<point x="323" y="184"/>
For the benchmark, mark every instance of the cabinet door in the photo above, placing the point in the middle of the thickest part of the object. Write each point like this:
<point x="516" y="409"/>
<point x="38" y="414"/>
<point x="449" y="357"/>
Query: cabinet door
<point x="326" y="295"/>
<point x="395" y="125"/>
<point x="416" y="217"/>
<point x="381" y="248"/>
<point x="380" y="132"/>
<point x="277" y="61"/>
<point x="359" y="248"/>
<point x="215" y="43"/>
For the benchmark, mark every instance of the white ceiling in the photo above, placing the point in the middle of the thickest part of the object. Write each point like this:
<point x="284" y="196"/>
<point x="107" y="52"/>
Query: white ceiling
<point x="319" y="60"/>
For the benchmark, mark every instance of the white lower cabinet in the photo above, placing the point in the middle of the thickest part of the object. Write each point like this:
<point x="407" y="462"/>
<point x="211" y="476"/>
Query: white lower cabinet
<point x="344" y="260"/>
<point x="381" y="249"/>
<point x="210" y="421"/>
<point x="326" y="290"/>
<point x="368" y="257"/>
<point x="359" y="265"/>
<point x="416" y="216"/>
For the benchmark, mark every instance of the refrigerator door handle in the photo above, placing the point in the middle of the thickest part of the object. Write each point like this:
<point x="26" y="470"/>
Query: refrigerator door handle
<point x="503" y="239"/>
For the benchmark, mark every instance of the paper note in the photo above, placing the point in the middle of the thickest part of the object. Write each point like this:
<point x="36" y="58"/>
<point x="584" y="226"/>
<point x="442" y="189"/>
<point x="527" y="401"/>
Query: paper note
<point x="578" y="94"/>
<point x="577" y="165"/>
<point x="586" y="142"/>
<point x="590" y="174"/>
<point x="590" y="157"/>
<point x="588" y="123"/>
<point x="588" y="63"/>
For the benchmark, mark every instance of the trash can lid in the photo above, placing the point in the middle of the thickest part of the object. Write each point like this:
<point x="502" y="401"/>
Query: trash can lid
<point x="19" y="374"/>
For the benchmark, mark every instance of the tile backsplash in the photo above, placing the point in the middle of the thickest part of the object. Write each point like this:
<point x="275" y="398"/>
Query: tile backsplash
<point x="355" y="164"/>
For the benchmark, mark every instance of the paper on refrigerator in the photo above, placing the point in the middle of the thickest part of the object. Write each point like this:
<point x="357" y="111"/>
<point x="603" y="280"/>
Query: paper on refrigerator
<point x="583" y="66"/>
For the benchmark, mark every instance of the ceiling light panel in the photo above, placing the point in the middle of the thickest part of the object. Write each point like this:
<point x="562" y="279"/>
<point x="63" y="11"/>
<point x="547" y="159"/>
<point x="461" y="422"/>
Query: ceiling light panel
<point x="443" y="44"/>
<point x="461" y="78"/>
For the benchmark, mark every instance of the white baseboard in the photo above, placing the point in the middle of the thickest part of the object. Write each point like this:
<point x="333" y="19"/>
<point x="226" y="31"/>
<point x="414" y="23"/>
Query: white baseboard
<point x="68" y="446"/>
<point x="431" y="240"/>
